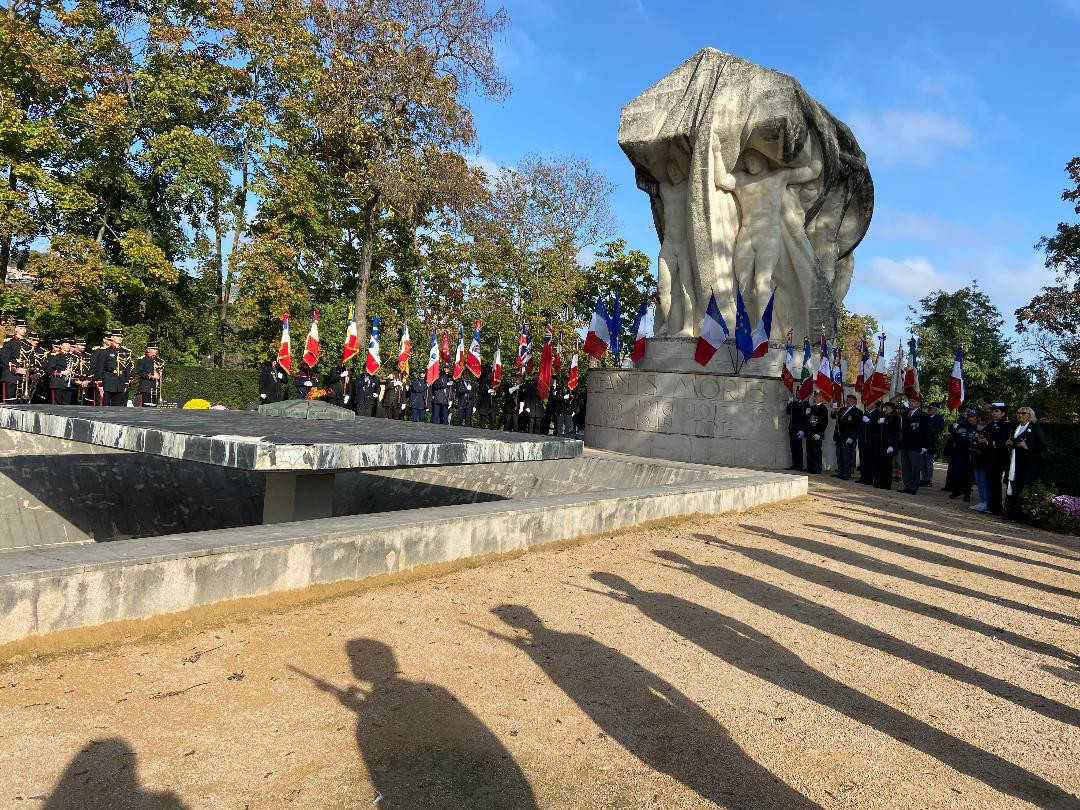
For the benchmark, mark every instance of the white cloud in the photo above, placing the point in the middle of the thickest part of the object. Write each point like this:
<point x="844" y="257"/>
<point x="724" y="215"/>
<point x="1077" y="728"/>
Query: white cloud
<point x="908" y="136"/>
<point x="490" y="167"/>
<point x="909" y="279"/>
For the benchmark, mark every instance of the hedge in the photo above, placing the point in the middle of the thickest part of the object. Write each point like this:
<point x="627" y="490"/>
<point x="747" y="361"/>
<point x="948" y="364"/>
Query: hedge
<point x="1061" y="461"/>
<point x="234" y="388"/>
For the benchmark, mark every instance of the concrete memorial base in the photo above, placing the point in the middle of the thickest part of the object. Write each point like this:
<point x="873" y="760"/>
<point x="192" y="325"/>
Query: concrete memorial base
<point x="673" y="408"/>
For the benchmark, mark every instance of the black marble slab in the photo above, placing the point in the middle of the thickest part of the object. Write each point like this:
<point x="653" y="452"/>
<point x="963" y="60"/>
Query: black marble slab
<point x="247" y="441"/>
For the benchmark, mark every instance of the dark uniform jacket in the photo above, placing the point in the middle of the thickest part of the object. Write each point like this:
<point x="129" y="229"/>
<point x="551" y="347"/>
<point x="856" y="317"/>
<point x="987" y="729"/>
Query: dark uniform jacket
<point x="817" y="419"/>
<point x="272" y="382"/>
<point x="870" y="434"/>
<point x="393" y="395"/>
<point x="561" y="400"/>
<point x="511" y="397"/>
<point x="144" y="368"/>
<point x="796" y="411"/>
<point x="464" y="393"/>
<point x="418" y="393"/>
<point x="916" y="433"/>
<point x="113" y="369"/>
<point x="887" y="430"/>
<point x="997" y="433"/>
<point x="367" y="390"/>
<point x="9" y="358"/>
<point x="1027" y="461"/>
<point x="848" y="423"/>
<point x="440" y="390"/>
<point x="304" y="381"/>
<point x="55" y="367"/>
<point x="337" y="383"/>
<point x="487" y="397"/>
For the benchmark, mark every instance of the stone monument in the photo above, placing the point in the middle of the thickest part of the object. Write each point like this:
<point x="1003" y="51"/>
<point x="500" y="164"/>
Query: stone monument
<point x="755" y="187"/>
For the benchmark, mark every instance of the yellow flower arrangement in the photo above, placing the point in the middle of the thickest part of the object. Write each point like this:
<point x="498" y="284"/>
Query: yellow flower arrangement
<point x="196" y="405"/>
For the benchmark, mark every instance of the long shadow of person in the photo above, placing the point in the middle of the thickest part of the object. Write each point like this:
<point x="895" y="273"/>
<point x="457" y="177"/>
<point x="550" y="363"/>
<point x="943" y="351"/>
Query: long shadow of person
<point x="422" y="748"/>
<point x="748" y="649"/>
<point x="836" y="623"/>
<point x="104" y="774"/>
<point x="649" y="717"/>
<point x="829" y="578"/>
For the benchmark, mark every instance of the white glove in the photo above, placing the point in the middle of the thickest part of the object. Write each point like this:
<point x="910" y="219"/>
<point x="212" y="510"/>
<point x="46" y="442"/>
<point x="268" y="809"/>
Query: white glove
<point x="403" y="407"/>
<point x="851" y="441"/>
<point x="888" y="450"/>
<point x="817" y="437"/>
<point x="881" y="421"/>
<point x="801" y="435"/>
<point x="491" y="391"/>
<point x="566" y="396"/>
<point x="307" y="383"/>
<point x="280" y="376"/>
<point x="521" y="407"/>
<point x="514" y="388"/>
<point x="346" y="400"/>
<point x="344" y="374"/>
<point x="262" y="396"/>
<point x="924" y="449"/>
<point x="790" y="400"/>
<point x="866" y="419"/>
<point x="807" y="411"/>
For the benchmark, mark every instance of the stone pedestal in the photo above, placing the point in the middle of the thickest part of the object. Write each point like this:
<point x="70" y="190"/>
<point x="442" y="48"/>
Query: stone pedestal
<point x="706" y="415"/>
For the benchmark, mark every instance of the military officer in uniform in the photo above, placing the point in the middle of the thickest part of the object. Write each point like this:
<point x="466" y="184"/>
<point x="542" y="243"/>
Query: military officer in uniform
<point x="464" y="399"/>
<point x="305" y="381"/>
<point x="393" y="396"/>
<point x="532" y="413"/>
<point x="796" y="410"/>
<point x="487" y="401"/>
<point x="995" y="455"/>
<point x="339" y="385"/>
<point x="563" y="399"/>
<point x="367" y="392"/>
<point x="511" y="403"/>
<point x="13" y="355"/>
<point x="84" y="382"/>
<point x="868" y="445"/>
<point x="60" y="370"/>
<point x="847" y="432"/>
<point x="272" y="382"/>
<point x="815" y="420"/>
<point x="418" y="398"/>
<point x="92" y="365"/>
<point x="39" y="393"/>
<point x="887" y="438"/>
<point x="151" y="371"/>
<point x="113" y="371"/>
<point x="441" y="391"/>
<point x="915" y="442"/>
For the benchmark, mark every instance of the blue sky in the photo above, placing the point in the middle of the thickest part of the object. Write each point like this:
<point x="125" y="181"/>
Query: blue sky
<point x="967" y="112"/>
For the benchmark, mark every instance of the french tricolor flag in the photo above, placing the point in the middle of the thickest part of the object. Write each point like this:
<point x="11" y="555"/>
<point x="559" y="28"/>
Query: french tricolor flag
<point x="459" y="354"/>
<point x="433" y="358"/>
<point x="787" y="373"/>
<point x="713" y="333"/>
<point x="472" y="362"/>
<point x="284" y="354"/>
<point x="956" y="381"/>
<point x="599" y="336"/>
<point x="760" y="337"/>
<point x="637" y="352"/>
<point x="374" y="359"/>
<point x="311" y="346"/>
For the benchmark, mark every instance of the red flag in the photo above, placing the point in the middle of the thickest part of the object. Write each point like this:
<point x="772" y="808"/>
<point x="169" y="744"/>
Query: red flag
<point x="472" y="360"/>
<point x="878" y="385"/>
<point x="374" y="359"/>
<point x="433" y="358"/>
<point x="543" y="379"/>
<point x="404" y="349"/>
<point x="572" y="377"/>
<point x="444" y="349"/>
<point x="496" y="366"/>
<point x="311" y="346"/>
<point x="911" y="375"/>
<point x="284" y="353"/>
<point x="956" y="381"/>
<point x="787" y="373"/>
<point x="823" y="383"/>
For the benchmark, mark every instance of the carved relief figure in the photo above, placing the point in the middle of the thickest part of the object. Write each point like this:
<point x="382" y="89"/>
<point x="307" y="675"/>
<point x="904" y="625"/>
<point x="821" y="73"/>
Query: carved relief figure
<point x="675" y="280"/>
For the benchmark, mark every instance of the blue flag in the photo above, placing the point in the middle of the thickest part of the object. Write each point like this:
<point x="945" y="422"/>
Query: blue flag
<point x="744" y="340"/>
<point x="616" y="327"/>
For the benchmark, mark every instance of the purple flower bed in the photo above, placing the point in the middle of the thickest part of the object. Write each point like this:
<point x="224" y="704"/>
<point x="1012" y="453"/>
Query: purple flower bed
<point x="1069" y="504"/>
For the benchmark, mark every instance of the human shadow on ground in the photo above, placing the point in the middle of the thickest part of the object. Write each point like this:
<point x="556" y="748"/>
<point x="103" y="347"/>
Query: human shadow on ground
<point x="996" y="534"/>
<point x="750" y="650"/>
<point x="828" y="620"/>
<point x="648" y="716"/>
<point x="421" y="746"/>
<point x="951" y="542"/>
<point x="999" y="525"/>
<point x="944" y="560"/>
<point x="857" y="587"/>
<point x="104" y="774"/>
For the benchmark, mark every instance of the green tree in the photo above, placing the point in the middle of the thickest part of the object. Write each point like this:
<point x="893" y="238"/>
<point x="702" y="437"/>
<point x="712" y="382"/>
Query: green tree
<point x="941" y="322"/>
<point x="622" y="271"/>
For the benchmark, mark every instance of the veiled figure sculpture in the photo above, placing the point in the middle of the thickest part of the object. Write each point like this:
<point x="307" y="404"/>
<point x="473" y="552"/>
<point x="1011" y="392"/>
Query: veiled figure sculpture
<point x="752" y="183"/>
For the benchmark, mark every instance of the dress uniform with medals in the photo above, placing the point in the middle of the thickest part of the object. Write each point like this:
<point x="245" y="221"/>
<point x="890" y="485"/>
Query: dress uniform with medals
<point x="464" y="400"/>
<point x="393" y="396"/>
<point x="113" y="371"/>
<point x="13" y="356"/>
<point x="150" y="369"/>
<point x="816" y="419"/>
<point x="487" y="401"/>
<point x="61" y="370"/>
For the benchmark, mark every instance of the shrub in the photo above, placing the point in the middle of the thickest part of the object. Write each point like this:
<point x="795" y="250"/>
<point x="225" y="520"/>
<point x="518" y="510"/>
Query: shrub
<point x="236" y="388"/>
<point x="1058" y="513"/>
<point x="1059" y="466"/>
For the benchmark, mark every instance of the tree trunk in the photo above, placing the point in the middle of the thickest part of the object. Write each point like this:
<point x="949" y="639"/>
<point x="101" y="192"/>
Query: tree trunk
<point x="5" y="243"/>
<point x="367" y="256"/>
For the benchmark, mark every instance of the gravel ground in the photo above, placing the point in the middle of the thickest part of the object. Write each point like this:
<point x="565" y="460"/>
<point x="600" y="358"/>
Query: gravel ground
<point x="856" y="649"/>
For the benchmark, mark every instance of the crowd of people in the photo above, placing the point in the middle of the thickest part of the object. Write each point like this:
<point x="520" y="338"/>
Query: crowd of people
<point x="515" y="404"/>
<point x="68" y="374"/>
<point x="900" y="441"/>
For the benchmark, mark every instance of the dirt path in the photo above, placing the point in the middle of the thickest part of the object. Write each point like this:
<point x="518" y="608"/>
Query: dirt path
<point x="854" y="650"/>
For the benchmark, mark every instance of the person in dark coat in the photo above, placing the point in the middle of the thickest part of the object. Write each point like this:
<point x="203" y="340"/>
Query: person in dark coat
<point x="532" y="414"/>
<point x="113" y="371"/>
<point x="393" y="396"/>
<point x="563" y="398"/>
<point x="339" y="383"/>
<point x="796" y="415"/>
<point x="418" y="398"/>
<point x="441" y="392"/>
<point x="961" y="446"/>
<point x="868" y="445"/>
<point x="151" y="372"/>
<point x="887" y="432"/>
<point x="937" y="427"/>
<point x="14" y="349"/>
<point x="995" y="455"/>
<point x="815" y="420"/>
<point x="366" y="394"/>
<point x="915" y="443"/>
<point x="272" y="382"/>
<point x="305" y="381"/>
<point x="1026" y="447"/>
<point x="512" y="403"/>
<point x="60" y="371"/>
<point x="464" y="399"/>
<point x="846" y="433"/>
<point x="487" y="401"/>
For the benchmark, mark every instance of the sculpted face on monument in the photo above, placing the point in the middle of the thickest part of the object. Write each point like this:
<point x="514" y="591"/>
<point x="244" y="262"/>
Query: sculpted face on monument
<point x="752" y="183"/>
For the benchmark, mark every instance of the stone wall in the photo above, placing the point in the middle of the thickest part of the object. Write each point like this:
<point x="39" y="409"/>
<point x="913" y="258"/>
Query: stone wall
<point x="733" y="420"/>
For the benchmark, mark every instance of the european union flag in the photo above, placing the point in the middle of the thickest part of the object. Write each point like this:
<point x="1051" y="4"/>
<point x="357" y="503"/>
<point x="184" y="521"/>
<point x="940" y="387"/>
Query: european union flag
<point x="744" y="341"/>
